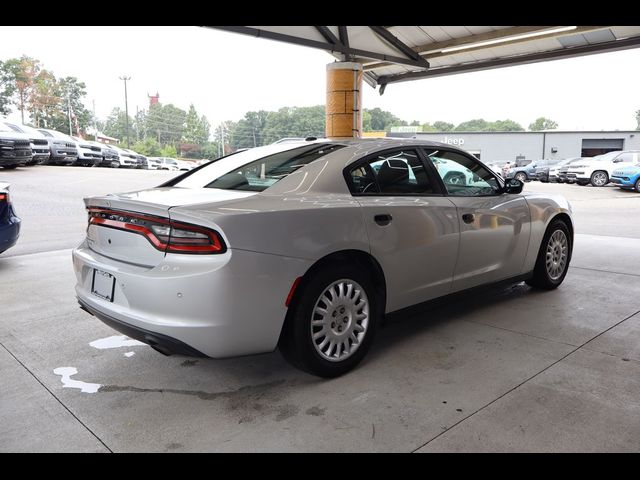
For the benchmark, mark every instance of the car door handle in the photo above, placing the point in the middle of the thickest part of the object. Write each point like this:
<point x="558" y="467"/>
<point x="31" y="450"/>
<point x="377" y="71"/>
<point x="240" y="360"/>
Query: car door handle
<point x="383" y="219"/>
<point x="468" y="218"/>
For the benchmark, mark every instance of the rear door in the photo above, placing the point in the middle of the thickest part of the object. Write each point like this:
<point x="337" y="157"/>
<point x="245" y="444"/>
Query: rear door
<point x="494" y="227"/>
<point x="412" y="227"/>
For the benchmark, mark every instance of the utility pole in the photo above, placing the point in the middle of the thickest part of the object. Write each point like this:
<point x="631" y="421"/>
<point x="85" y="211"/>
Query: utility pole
<point x="137" y="131"/>
<point x="126" y="106"/>
<point x="69" y="112"/>
<point x="254" y="135"/>
<point x="95" y="124"/>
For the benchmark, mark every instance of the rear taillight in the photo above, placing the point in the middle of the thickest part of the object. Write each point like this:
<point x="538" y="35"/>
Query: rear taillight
<point x="164" y="234"/>
<point x="4" y="197"/>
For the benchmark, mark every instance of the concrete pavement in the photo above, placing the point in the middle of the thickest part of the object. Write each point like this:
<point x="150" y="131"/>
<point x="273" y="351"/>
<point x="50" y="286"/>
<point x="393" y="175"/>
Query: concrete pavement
<point x="508" y="370"/>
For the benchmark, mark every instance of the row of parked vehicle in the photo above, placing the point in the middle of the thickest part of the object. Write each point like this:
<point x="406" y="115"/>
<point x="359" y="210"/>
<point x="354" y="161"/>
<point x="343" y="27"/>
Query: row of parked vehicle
<point x="22" y="145"/>
<point x="621" y="167"/>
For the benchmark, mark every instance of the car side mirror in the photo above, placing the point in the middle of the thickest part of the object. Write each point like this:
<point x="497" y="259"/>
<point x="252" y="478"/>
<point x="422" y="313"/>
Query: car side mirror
<point x="512" y="185"/>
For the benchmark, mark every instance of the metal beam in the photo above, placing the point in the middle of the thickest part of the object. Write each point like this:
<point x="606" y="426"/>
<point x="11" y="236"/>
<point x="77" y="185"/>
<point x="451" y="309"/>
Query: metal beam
<point x="328" y="35"/>
<point x="255" y="32"/>
<point x="625" y="44"/>
<point x="344" y="39"/>
<point x="401" y="46"/>
<point x="434" y="50"/>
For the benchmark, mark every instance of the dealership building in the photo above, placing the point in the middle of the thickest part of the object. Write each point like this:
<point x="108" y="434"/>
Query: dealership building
<point x="522" y="147"/>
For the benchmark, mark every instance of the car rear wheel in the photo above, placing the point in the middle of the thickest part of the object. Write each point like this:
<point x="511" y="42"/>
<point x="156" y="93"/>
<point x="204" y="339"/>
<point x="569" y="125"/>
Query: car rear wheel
<point x="599" y="178"/>
<point x="331" y="322"/>
<point x="637" y="186"/>
<point x="553" y="257"/>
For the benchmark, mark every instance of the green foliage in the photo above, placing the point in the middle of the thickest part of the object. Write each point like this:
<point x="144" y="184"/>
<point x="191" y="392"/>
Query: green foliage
<point x="168" y="151"/>
<point x="294" y="122"/>
<point x="196" y="128"/>
<point x="383" y="120"/>
<point x="249" y="131"/>
<point x="211" y="150"/>
<point x="543" y="123"/>
<point x="443" y="126"/>
<point x="7" y="86"/>
<point x="116" y="125"/>
<point x="481" y="125"/>
<point x="149" y="147"/>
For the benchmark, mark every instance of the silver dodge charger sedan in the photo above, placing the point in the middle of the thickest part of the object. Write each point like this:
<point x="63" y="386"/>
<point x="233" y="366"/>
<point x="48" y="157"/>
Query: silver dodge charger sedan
<point x="306" y="246"/>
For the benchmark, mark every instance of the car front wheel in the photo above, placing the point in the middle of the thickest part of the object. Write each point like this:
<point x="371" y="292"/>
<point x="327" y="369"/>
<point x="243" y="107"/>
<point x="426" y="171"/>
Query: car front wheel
<point x="637" y="186"/>
<point x="331" y="322"/>
<point x="553" y="257"/>
<point x="599" y="178"/>
<point x="521" y="176"/>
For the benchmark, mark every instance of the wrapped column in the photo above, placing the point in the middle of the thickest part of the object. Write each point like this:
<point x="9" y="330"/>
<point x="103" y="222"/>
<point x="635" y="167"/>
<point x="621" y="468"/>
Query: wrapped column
<point x="344" y="100"/>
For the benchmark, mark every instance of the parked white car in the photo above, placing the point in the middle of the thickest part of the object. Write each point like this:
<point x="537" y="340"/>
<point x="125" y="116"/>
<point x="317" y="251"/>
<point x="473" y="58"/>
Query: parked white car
<point x="598" y="170"/>
<point x="125" y="158"/>
<point x="307" y="247"/>
<point x="89" y="155"/>
<point x="154" y="163"/>
<point x="168" y="164"/>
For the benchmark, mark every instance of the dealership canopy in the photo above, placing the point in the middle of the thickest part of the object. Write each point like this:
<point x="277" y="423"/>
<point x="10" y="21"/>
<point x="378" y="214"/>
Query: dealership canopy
<point x="392" y="54"/>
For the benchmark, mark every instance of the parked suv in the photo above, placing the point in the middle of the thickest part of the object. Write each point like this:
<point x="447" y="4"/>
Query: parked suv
<point x="598" y="170"/>
<point x="88" y="154"/>
<point x="168" y="163"/>
<point x="125" y="158"/>
<point x="39" y="143"/>
<point x="554" y="172"/>
<point x="15" y="148"/>
<point x="108" y="154"/>
<point x="63" y="147"/>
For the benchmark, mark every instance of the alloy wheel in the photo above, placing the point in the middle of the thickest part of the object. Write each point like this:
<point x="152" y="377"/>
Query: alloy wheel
<point x="557" y="254"/>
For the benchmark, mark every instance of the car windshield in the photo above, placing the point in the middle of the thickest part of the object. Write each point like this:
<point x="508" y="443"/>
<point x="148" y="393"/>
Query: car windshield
<point x="258" y="168"/>
<point x="606" y="156"/>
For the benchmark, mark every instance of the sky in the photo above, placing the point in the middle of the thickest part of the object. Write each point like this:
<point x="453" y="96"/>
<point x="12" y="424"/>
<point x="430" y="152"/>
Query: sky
<point x="225" y="75"/>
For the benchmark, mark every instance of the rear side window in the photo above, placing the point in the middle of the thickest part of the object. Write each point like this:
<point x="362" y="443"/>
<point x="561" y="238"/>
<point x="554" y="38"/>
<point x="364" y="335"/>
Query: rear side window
<point x="400" y="172"/>
<point x="260" y="174"/>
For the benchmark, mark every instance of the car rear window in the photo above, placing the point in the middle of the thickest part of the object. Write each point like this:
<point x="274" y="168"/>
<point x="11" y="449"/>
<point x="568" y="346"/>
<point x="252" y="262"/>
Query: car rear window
<point x="256" y="175"/>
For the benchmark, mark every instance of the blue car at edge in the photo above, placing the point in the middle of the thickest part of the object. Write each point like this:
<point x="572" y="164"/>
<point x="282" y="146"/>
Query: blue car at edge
<point x="627" y="177"/>
<point x="9" y="221"/>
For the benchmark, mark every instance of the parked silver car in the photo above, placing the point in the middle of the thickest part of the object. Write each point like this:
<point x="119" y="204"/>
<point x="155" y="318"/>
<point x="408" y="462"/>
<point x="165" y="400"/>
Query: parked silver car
<point x="306" y="246"/>
<point x="63" y="148"/>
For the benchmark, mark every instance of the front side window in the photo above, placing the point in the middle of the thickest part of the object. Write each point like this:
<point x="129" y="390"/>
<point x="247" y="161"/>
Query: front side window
<point x="463" y="176"/>
<point x="395" y="173"/>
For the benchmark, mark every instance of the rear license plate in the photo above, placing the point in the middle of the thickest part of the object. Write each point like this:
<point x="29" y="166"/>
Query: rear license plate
<point x="103" y="285"/>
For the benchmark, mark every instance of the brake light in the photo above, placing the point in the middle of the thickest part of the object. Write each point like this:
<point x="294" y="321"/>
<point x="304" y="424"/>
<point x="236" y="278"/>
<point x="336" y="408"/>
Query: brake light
<point x="164" y="234"/>
<point x="4" y="196"/>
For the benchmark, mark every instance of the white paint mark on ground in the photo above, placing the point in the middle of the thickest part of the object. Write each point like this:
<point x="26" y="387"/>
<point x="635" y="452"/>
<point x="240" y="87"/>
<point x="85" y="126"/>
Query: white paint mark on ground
<point x="68" y="382"/>
<point x="116" y="341"/>
<point x="129" y="354"/>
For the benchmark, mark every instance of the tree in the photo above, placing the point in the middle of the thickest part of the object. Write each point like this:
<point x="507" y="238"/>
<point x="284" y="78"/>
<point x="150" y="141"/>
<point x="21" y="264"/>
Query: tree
<point x="294" y="122"/>
<point x="149" y="147"/>
<point x="44" y="102"/>
<point x="7" y="86"/>
<point x="427" y="127"/>
<point x="441" y="126"/>
<point x="166" y="123"/>
<point x="505" y="126"/>
<point x="116" y="125"/>
<point x="383" y="120"/>
<point x="543" y="123"/>
<point x="196" y="128"/>
<point x="249" y="131"/>
<point x="476" y="125"/>
<point x="25" y="70"/>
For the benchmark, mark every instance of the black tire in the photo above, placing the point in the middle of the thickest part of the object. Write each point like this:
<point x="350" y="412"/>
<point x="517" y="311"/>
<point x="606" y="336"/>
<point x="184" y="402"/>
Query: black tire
<point x="598" y="177"/>
<point x="10" y="167"/>
<point x="522" y="176"/>
<point x="636" y="187"/>
<point x="296" y="342"/>
<point x="541" y="278"/>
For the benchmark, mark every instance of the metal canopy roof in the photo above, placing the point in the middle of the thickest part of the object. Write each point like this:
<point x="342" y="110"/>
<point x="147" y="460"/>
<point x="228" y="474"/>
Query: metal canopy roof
<point x="402" y="53"/>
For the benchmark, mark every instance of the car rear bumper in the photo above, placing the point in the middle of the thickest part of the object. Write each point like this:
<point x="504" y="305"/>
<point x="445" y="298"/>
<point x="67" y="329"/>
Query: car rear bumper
<point x="9" y="233"/>
<point x="218" y="305"/>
